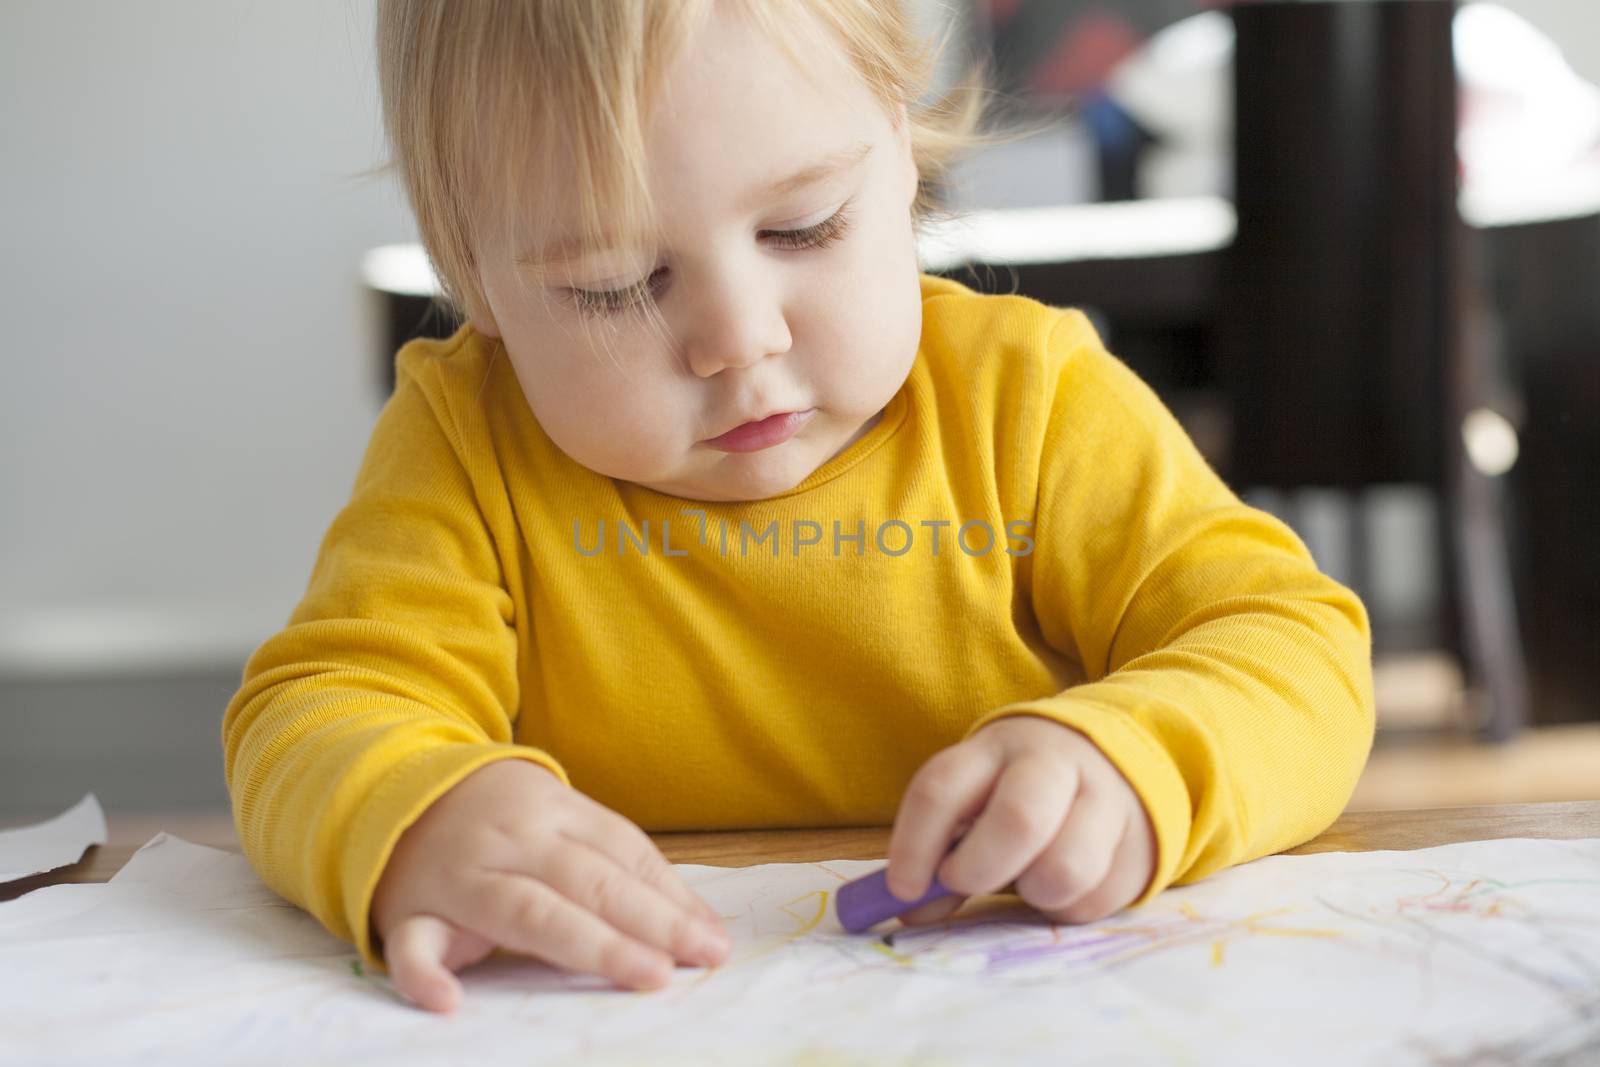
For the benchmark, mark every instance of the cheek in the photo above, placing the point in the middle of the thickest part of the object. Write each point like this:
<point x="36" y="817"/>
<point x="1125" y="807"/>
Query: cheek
<point x="884" y="306"/>
<point x="609" y="418"/>
<point x="890" y="274"/>
<point x="863" y="346"/>
<point x="870" y="296"/>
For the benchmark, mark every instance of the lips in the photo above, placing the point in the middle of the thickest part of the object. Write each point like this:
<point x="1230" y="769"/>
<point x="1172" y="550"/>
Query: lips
<point x="761" y="433"/>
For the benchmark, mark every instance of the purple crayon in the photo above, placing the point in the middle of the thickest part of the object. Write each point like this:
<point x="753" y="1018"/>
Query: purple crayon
<point x="867" y="900"/>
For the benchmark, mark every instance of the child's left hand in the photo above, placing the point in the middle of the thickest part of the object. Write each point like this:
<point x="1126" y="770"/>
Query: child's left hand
<point x="1051" y="812"/>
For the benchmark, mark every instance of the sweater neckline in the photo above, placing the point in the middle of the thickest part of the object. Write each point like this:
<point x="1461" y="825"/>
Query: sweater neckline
<point x="894" y="415"/>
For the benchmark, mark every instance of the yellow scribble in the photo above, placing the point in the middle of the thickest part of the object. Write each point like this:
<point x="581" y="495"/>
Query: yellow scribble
<point x="1252" y="923"/>
<point x="807" y="925"/>
<point x="1266" y="914"/>
<point x="1216" y="953"/>
<point x="899" y="958"/>
<point x="811" y="923"/>
<point x="1283" y="931"/>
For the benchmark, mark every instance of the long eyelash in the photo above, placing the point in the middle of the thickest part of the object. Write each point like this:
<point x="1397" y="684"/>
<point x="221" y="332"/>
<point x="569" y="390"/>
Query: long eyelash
<point x="614" y="301"/>
<point x="823" y="234"/>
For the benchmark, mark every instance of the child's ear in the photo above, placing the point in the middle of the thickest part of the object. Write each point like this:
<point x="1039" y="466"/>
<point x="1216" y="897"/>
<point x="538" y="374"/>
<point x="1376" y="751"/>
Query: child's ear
<point x="482" y="320"/>
<point x="903" y="139"/>
<point x="902" y="125"/>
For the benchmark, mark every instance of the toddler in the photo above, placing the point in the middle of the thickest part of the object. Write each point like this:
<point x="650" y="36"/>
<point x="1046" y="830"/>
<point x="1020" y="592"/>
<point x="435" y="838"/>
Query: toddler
<point x="717" y="512"/>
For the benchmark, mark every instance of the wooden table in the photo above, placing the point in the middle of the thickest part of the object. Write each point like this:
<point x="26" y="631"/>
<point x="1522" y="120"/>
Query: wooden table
<point x="1360" y="831"/>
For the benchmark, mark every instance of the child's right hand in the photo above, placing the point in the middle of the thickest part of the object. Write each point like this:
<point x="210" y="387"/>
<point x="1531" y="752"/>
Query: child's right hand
<point x="511" y="857"/>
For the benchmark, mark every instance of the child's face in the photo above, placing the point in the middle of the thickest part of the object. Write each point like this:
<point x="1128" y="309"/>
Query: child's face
<point x="758" y="324"/>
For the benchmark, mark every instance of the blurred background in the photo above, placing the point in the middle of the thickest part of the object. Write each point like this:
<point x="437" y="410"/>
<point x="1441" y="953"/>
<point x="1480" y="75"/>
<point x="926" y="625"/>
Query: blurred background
<point x="1354" y="245"/>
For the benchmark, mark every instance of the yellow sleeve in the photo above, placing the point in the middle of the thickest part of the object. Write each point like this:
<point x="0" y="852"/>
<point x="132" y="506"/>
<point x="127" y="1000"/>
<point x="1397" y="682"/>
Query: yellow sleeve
<point x="1227" y="678"/>
<point x="395" y="677"/>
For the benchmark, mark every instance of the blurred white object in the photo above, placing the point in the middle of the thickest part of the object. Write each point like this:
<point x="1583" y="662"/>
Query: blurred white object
<point x="1490" y="440"/>
<point x="1525" y="111"/>
<point x="1528" y="134"/>
<point x="1179" y="87"/>
<point x="1065" y="232"/>
<point x="401" y="268"/>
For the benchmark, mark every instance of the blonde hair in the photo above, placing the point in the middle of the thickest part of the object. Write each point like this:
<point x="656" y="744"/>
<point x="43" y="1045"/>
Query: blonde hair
<point x="469" y="87"/>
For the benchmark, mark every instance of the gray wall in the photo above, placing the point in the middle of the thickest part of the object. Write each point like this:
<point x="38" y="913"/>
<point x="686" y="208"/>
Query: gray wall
<point x="191" y="370"/>
<point x="190" y="366"/>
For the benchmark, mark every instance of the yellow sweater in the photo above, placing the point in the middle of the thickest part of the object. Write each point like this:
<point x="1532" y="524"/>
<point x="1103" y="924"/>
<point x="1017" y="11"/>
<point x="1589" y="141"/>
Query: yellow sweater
<point x="1025" y="530"/>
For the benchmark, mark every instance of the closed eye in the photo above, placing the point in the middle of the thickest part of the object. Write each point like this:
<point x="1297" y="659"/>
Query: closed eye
<point x="611" y="301"/>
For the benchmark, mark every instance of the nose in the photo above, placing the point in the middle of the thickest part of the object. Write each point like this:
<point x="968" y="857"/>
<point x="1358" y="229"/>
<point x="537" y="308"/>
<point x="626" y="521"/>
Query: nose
<point x="735" y="323"/>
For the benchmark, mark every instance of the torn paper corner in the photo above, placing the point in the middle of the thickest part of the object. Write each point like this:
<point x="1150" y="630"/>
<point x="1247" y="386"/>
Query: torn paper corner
<point x="57" y="842"/>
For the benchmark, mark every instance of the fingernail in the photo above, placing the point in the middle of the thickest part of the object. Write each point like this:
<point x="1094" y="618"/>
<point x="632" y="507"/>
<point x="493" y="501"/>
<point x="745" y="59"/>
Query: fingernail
<point x="649" y="970"/>
<point x="710" y="944"/>
<point x="437" y="996"/>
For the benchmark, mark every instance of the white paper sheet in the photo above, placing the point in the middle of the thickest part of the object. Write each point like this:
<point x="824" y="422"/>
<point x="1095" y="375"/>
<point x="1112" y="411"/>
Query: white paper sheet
<point x="1466" y="953"/>
<point x="53" y="843"/>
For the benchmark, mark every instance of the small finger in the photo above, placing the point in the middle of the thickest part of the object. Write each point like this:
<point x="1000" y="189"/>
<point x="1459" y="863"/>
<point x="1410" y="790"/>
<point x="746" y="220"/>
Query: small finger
<point x="933" y="911"/>
<point x="656" y="870"/>
<point x="583" y="912"/>
<point x="641" y="906"/>
<point x="1022" y="815"/>
<point x="1079" y="858"/>
<point x="415" y="952"/>
<point x="621" y="840"/>
<point x="526" y="915"/>
<point x="1132" y="864"/>
<point x="946" y="791"/>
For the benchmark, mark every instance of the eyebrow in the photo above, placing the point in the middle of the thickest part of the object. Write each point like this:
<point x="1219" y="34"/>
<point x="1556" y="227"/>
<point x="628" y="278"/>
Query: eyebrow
<point x="826" y="167"/>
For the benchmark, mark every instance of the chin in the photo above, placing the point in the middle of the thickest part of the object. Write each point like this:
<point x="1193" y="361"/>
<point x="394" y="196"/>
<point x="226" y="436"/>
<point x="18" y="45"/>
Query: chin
<point x="762" y="476"/>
